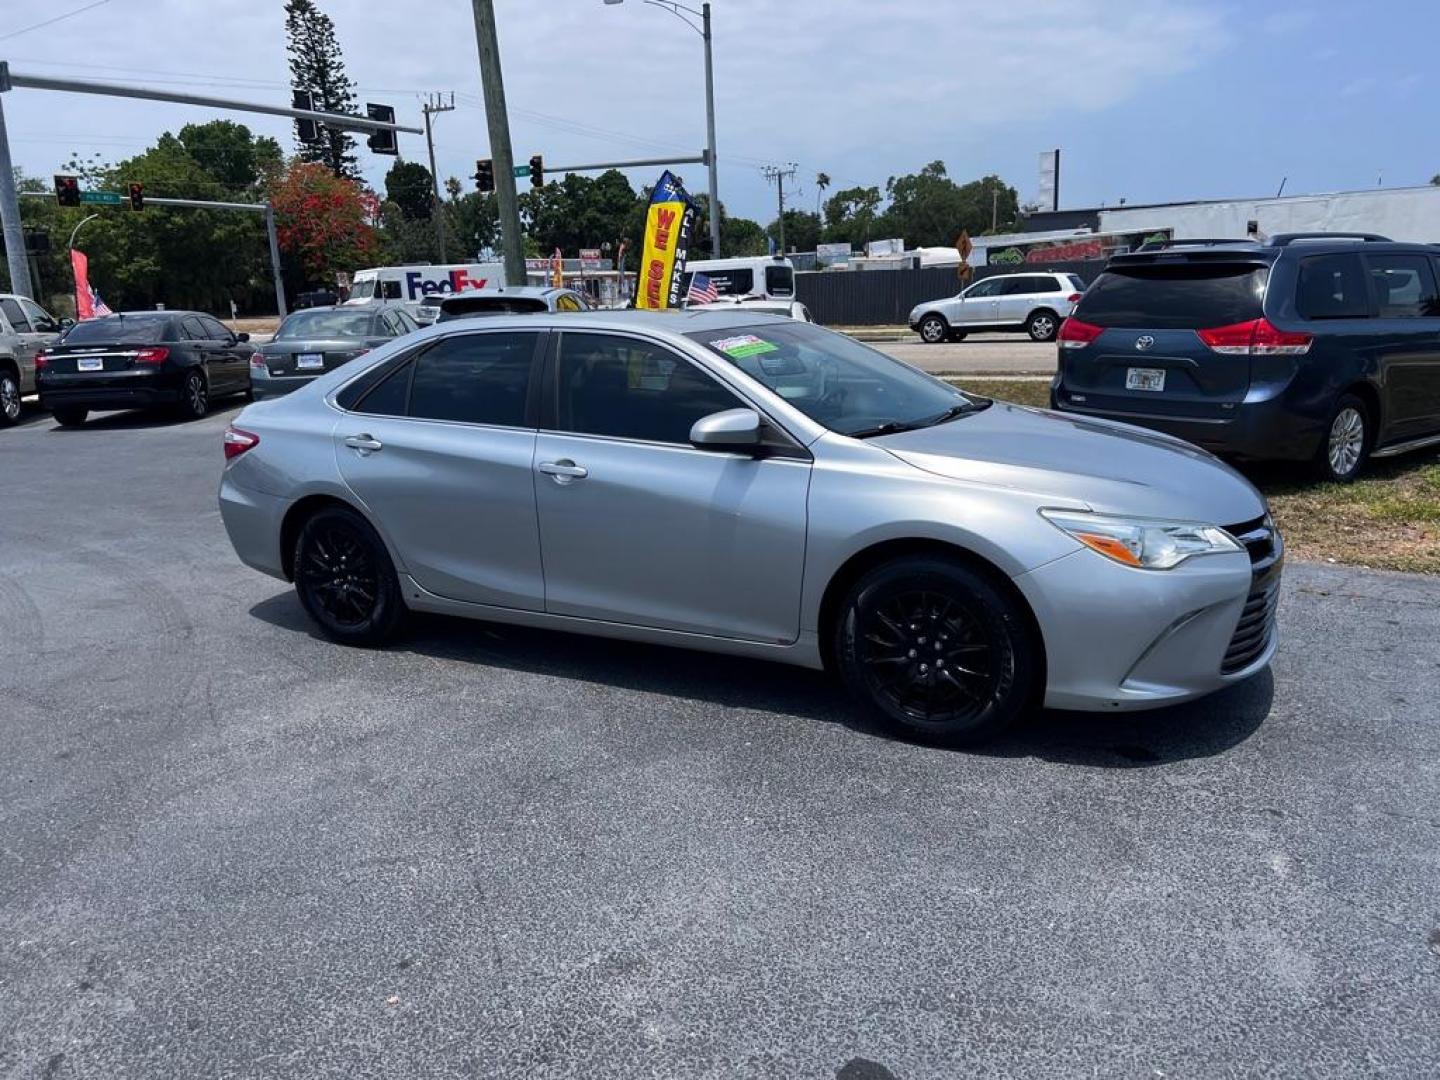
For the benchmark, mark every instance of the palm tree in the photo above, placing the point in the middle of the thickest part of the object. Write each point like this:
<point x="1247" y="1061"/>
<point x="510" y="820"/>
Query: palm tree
<point x="822" y="181"/>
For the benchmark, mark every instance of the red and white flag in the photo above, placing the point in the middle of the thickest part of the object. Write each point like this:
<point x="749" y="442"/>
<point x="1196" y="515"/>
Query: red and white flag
<point x="88" y="304"/>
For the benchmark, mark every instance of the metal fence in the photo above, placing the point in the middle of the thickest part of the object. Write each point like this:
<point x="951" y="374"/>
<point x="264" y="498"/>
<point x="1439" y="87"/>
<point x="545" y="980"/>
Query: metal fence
<point x="885" y="297"/>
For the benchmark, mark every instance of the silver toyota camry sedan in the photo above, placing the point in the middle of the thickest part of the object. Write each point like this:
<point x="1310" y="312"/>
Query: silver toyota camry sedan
<point x="750" y="484"/>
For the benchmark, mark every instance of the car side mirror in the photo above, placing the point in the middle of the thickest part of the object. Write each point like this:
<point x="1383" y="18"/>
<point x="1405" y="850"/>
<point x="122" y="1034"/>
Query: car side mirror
<point x="242" y="336"/>
<point x="733" y="429"/>
<point x="66" y="322"/>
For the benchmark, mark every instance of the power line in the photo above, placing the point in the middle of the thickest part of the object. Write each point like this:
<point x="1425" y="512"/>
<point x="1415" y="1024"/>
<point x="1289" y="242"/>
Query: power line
<point x="51" y="21"/>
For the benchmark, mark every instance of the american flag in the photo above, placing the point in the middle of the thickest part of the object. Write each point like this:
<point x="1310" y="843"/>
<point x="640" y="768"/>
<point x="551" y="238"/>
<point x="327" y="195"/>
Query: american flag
<point x="702" y="291"/>
<point x="100" y="308"/>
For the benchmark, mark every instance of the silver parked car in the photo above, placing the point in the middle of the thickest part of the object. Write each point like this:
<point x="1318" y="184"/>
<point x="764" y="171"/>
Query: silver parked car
<point x="319" y="339"/>
<point x="26" y="329"/>
<point x="757" y="485"/>
<point x="1033" y="303"/>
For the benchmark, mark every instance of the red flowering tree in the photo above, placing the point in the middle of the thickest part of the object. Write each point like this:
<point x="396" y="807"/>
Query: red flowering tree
<point x="325" y="221"/>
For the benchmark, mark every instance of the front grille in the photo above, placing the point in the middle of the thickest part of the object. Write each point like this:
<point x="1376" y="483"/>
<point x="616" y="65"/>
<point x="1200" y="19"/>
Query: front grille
<point x="1256" y="626"/>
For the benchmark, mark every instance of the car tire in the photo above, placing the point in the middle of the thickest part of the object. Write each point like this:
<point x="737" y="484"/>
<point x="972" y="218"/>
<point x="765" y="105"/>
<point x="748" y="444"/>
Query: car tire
<point x="9" y="398"/>
<point x="1042" y="325"/>
<point x="1346" y="443"/>
<point x="934" y="330"/>
<point x="345" y="579"/>
<point x="936" y="651"/>
<point x="69" y="415"/>
<point x="194" y="396"/>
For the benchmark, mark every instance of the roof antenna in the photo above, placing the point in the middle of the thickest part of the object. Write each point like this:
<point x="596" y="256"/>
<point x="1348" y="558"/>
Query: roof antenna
<point x="1281" y="190"/>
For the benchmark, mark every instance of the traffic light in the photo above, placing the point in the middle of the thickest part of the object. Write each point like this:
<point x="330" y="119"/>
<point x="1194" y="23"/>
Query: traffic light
<point x="67" y="190"/>
<point x="137" y="196"/>
<point x="485" y="175"/>
<point x="381" y="142"/>
<point x="537" y="171"/>
<point x="307" y="131"/>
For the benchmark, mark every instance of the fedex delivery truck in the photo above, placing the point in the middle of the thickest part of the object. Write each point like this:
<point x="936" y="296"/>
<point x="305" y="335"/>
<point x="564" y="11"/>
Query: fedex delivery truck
<point x="411" y="283"/>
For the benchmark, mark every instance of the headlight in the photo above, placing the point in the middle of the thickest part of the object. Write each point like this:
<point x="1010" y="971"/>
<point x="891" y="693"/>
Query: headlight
<point x="1147" y="544"/>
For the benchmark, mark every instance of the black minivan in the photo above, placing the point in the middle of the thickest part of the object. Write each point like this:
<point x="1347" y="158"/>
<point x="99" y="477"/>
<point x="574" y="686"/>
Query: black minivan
<point x="1320" y="347"/>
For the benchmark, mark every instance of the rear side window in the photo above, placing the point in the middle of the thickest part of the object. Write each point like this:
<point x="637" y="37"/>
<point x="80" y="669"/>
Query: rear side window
<point x="378" y="394"/>
<point x="475" y="379"/>
<point x="1075" y="282"/>
<point x="1404" y="286"/>
<point x="1019" y="286"/>
<point x="1332" y="287"/>
<point x="1175" y="296"/>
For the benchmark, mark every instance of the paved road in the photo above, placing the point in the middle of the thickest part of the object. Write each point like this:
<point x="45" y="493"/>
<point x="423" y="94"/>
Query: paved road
<point x="228" y="848"/>
<point x="983" y="354"/>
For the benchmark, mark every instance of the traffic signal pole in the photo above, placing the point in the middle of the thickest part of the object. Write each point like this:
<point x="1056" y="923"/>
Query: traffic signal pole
<point x="498" y="122"/>
<point x="10" y="213"/>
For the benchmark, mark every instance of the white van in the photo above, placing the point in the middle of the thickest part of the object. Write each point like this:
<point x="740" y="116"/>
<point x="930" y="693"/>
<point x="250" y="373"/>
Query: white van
<point x="411" y="283"/>
<point x="770" y="276"/>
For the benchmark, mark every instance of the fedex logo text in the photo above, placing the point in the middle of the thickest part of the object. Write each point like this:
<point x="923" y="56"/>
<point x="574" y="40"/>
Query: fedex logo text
<point x="418" y="285"/>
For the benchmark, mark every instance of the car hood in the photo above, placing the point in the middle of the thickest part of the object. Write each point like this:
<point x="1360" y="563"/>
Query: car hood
<point x="1112" y="468"/>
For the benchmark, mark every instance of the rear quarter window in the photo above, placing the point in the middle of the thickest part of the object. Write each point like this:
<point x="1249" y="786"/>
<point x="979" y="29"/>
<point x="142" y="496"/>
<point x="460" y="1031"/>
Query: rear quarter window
<point x="1175" y="296"/>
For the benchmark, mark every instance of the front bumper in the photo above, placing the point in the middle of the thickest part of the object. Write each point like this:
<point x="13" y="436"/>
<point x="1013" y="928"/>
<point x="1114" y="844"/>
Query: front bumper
<point x="1118" y="638"/>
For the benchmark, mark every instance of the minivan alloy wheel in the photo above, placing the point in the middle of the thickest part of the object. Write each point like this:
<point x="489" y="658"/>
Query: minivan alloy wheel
<point x="1347" y="441"/>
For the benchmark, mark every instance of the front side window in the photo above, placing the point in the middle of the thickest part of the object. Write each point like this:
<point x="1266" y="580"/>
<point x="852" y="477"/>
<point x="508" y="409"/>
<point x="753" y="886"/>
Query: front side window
<point x="982" y="289"/>
<point x="390" y="290"/>
<point x="835" y="380"/>
<point x="193" y="330"/>
<point x="474" y="379"/>
<point x="1332" y="287"/>
<point x="1404" y="286"/>
<point x="779" y="281"/>
<point x="630" y="389"/>
<point x="40" y="319"/>
<point x="215" y="329"/>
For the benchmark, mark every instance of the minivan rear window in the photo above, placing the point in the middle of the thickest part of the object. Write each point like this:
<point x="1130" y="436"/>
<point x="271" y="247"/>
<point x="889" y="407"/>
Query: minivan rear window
<point x="1175" y="296"/>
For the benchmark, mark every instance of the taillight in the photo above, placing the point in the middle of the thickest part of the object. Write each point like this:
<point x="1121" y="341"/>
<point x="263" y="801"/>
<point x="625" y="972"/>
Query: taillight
<point x="238" y="440"/>
<point x="154" y="355"/>
<point x="1258" y="337"/>
<point x="1075" y="334"/>
<point x="42" y="361"/>
<point x="258" y="361"/>
<point x="1073" y="298"/>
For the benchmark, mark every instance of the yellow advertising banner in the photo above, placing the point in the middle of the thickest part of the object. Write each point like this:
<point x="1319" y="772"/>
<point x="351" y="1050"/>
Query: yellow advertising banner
<point x="668" y="224"/>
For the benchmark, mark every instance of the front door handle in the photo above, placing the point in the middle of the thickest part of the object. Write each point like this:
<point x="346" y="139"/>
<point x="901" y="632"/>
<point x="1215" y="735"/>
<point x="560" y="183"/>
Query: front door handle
<point x="564" y="470"/>
<point x="364" y="443"/>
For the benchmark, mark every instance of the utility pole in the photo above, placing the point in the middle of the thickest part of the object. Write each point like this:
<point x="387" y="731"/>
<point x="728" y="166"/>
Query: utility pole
<point x="432" y="106"/>
<point x="498" y="121"/>
<point x="994" y="207"/>
<point x="10" y="212"/>
<point x="774" y="172"/>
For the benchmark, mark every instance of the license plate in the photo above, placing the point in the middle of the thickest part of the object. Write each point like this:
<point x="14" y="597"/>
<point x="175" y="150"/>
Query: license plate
<point x="1145" y="378"/>
<point x="309" y="360"/>
<point x="90" y="363"/>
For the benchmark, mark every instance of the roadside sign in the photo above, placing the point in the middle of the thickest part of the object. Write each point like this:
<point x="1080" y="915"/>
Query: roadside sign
<point x="104" y="198"/>
<point x="520" y="170"/>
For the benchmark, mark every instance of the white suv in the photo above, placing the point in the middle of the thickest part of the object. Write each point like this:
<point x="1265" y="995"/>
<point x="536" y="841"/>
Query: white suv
<point x="1034" y="303"/>
<point x="25" y="329"/>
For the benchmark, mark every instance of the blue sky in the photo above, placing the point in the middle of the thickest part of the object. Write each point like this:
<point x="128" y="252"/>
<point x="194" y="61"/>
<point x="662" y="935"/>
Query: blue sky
<point x="1150" y="100"/>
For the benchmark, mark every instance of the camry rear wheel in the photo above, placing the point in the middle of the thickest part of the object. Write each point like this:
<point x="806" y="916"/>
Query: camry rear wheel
<point x="934" y="329"/>
<point x="345" y="579"/>
<point x="938" y="652"/>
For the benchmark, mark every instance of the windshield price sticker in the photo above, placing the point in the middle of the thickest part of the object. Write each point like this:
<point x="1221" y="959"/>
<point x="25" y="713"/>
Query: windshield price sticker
<point x="743" y="345"/>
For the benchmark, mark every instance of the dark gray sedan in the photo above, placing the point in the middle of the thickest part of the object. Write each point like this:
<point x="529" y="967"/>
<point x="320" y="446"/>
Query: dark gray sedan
<point x="311" y="342"/>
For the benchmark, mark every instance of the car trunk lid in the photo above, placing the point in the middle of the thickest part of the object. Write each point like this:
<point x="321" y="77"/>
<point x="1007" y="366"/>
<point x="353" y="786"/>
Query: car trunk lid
<point x="313" y="357"/>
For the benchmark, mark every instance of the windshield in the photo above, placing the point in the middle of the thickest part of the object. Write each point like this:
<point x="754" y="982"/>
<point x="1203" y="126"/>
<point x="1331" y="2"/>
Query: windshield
<point x="127" y="329"/>
<point x="835" y="380"/>
<point x="324" y="324"/>
<point x="363" y="290"/>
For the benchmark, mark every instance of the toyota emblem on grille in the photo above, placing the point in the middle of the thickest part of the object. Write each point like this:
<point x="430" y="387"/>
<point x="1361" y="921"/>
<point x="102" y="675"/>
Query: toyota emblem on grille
<point x="1143" y="342"/>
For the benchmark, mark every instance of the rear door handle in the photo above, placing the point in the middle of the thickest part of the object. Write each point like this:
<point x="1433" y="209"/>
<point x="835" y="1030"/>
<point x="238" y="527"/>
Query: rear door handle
<point x="364" y="443"/>
<point x="563" y="470"/>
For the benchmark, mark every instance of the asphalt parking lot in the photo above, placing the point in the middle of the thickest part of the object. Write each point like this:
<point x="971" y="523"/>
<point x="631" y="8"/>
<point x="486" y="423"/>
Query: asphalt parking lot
<point x="228" y="848"/>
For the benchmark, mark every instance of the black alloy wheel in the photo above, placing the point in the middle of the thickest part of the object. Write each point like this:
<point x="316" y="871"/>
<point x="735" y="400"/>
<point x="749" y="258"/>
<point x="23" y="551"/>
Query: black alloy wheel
<point x="345" y="579"/>
<point x="937" y="651"/>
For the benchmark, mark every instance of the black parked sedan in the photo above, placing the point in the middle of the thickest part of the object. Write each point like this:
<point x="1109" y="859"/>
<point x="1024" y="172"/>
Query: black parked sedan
<point x="142" y="359"/>
<point x="312" y="342"/>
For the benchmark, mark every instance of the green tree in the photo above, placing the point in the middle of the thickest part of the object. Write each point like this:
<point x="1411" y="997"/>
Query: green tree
<point x="1435" y="179"/>
<point x="407" y="185"/>
<point x="802" y="230"/>
<point x="850" y="216"/>
<point x="227" y="151"/>
<point x="743" y="237"/>
<point x="928" y="209"/>
<point x="472" y="220"/>
<point x="578" y="211"/>
<point x="317" y="65"/>
<point x="822" y="181"/>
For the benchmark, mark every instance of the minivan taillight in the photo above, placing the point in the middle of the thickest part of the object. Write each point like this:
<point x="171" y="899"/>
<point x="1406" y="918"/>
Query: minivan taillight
<point x="238" y="440"/>
<point x="1258" y="337"/>
<point x="1075" y="334"/>
<point x="154" y="355"/>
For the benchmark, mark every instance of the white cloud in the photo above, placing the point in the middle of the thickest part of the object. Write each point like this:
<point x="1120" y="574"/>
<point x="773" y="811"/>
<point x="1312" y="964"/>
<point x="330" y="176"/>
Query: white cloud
<point x="859" y="88"/>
